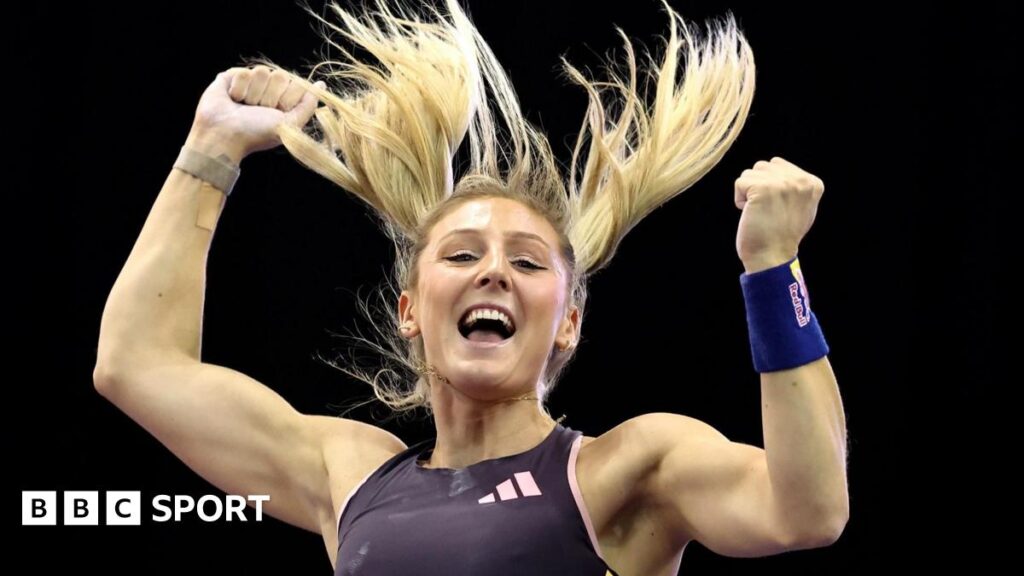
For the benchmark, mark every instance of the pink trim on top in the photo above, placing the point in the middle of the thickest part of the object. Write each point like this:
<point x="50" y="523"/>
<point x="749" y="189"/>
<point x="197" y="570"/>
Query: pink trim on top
<point x="578" y="496"/>
<point x="341" y="510"/>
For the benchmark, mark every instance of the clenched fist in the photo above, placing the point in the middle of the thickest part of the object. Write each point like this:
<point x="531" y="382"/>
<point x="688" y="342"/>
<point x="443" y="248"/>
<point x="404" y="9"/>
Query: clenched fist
<point x="244" y="106"/>
<point x="779" y="201"/>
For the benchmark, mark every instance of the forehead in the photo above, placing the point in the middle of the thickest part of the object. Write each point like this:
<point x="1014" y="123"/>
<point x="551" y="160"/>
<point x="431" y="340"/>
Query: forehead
<point x="496" y="215"/>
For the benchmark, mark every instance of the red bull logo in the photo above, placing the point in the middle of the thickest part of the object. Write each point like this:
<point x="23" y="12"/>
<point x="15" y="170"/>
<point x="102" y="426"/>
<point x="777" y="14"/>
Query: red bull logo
<point x="798" y="294"/>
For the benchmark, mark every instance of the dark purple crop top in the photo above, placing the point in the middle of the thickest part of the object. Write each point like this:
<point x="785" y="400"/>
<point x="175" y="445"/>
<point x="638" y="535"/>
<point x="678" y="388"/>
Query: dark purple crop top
<point x="515" y="515"/>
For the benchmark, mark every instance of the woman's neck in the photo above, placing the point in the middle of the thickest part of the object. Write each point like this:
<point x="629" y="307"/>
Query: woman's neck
<point x="469" y="432"/>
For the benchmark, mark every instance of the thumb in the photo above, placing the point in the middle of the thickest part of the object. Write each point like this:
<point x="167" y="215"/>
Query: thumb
<point x="303" y="111"/>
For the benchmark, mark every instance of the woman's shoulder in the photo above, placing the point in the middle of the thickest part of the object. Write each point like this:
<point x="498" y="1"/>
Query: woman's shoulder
<point x="609" y="458"/>
<point x="623" y="456"/>
<point x="638" y="442"/>
<point x="612" y="472"/>
<point x="604" y="465"/>
<point x="350" y="459"/>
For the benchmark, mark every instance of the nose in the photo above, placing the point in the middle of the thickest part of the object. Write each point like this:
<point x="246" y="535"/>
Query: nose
<point x="494" y="271"/>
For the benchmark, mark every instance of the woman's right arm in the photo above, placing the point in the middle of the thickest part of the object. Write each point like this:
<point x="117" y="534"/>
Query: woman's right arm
<point x="155" y="308"/>
<point x="235" y="432"/>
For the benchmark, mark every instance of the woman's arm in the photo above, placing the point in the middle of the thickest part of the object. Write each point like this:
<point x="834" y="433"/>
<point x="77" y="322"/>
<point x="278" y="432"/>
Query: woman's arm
<point x="156" y="304"/>
<point x="805" y="443"/>
<point x="742" y="501"/>
<point x="155" y="309"/>
<point x="233" y="431"/>
<point x="737" y="499"/>
<point x="230" y="429"/>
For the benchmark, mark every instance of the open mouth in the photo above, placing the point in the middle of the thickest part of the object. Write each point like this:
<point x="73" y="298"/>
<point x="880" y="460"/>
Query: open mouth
<point x="485" y="330"/>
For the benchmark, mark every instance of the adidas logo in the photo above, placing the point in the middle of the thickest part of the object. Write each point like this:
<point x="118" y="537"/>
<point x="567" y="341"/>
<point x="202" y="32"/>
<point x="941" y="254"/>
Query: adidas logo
<point x="506" y="490"/>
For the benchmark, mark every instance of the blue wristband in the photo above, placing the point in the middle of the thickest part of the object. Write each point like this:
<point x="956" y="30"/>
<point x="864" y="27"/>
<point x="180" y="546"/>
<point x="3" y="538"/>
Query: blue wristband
<point x="784" y="332"/>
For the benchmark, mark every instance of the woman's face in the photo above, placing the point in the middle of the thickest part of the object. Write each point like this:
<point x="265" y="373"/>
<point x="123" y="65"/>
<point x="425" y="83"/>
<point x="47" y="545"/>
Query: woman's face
<point x="491" y="251"/>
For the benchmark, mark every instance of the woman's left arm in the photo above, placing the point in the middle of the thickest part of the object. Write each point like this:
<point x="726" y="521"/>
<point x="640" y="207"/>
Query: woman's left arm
<point x="736" y="499"/>
<point x="802" y="412"/>
<point x="739" y="500"/>
<point x="805" y="445"/>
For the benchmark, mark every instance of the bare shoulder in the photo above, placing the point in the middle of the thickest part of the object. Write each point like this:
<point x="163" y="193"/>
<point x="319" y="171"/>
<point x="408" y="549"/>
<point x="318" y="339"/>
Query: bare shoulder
<point x="614" y="472"/>
<point x="611" y="468"/>
<point x="620" y="464"/>
<point x="640" y="441"/>
<point x="625" y="462"/>
<point x="628" y="454"/>
<point x="351" y="450"/>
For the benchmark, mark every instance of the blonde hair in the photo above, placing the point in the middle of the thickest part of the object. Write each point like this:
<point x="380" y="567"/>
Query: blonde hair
<point x="388" y="133"/>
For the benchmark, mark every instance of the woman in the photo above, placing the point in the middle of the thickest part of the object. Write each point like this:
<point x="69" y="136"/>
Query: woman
<point x="492" y="268"/>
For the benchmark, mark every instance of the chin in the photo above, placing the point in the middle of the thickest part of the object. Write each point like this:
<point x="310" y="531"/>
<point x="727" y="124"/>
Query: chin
<point x="479" y="379"/>
<point x="471" y="371"/>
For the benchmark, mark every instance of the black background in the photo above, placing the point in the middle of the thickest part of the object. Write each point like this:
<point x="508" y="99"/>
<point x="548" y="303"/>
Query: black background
<point x="904" y="116"/>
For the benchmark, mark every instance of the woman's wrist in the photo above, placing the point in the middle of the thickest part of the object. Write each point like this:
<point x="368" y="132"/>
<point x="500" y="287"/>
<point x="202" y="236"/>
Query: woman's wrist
<point x="784" y="332"/>
<point x="211" y="158"/>
<point x="761" y="262"/>
<point x="213" y="144"/>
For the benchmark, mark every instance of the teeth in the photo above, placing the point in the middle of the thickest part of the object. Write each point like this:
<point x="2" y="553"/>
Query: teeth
<point x="488" y="314"/>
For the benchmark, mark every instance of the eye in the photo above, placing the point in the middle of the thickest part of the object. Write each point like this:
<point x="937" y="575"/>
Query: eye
<point x="522" y="261"/>
<point x="529" y="265"/>
<point x="456" y="257"/>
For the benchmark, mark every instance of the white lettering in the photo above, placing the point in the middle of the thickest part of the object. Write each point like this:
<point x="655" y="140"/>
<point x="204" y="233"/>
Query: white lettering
<point x="216" y="506"/>
<point x="180" y="500"/>
<point x="259" y="500"/>
<point x="235" y="505"/>
<point x="158" y="503"/>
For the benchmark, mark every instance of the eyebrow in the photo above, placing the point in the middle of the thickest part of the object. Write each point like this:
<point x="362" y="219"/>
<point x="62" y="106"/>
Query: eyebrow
<point x="512" y="234"/>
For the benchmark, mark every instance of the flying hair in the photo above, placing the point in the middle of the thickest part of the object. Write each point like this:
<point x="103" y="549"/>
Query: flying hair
<point x="391" y="123"/>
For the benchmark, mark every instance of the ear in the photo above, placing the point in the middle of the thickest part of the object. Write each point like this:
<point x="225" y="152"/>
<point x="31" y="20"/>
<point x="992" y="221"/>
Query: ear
<point x="569" y="329"/>
<point x="406" y="315"/>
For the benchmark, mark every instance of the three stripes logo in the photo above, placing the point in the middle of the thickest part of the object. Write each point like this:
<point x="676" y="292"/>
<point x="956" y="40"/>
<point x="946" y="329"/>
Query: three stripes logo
<point x="507" y="489"/>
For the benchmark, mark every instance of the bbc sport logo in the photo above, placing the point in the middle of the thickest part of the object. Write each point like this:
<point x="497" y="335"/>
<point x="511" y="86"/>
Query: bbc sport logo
<point x="124" y="508"/>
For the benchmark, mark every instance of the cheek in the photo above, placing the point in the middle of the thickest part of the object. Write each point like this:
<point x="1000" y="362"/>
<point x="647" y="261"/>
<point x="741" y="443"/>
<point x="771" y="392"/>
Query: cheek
<point x="437" y="289"/>
<point x="435" y="304"/>
<point x="548" y="301"/>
